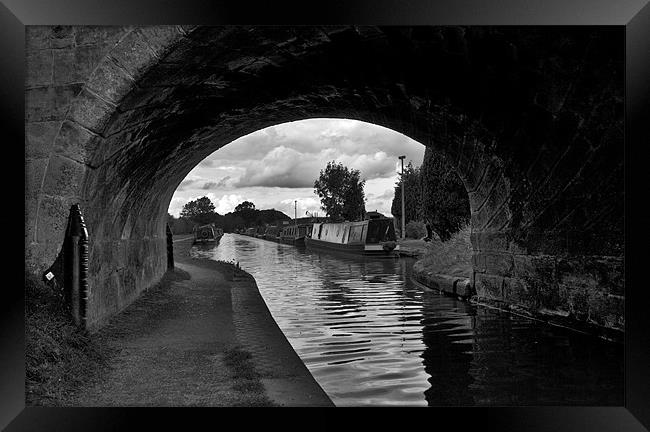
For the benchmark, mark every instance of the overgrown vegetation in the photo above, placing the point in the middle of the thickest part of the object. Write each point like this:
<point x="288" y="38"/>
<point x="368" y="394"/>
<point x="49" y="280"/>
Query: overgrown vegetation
<point x="452" y="257"/>
<point x="415" y="230"/>
<point x="59" y="357"/>
<point x="433" y="194"/>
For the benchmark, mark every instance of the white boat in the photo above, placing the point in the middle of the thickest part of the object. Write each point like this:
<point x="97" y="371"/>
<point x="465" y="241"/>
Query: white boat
<point x="368" y="237"/>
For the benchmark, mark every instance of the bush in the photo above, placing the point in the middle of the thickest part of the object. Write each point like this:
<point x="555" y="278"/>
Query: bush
<point x="415" y="230"/>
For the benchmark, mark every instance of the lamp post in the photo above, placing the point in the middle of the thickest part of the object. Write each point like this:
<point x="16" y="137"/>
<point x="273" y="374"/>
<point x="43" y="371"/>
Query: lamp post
<point x="403" y="215"/>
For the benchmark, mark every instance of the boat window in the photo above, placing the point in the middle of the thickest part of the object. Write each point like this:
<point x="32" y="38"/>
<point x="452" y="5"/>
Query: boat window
<point x="380" y="230"/>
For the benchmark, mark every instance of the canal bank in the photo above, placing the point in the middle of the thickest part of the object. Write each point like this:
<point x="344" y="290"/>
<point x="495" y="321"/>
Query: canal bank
<point x="201" y="337"/>
<point x="286" y="380"/>
<point x="447" y="267"/>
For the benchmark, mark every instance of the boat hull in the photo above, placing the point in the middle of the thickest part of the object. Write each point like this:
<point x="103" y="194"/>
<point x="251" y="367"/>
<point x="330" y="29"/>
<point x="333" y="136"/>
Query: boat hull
<point x="357" y="248"/>
<point x="300" y="241"/>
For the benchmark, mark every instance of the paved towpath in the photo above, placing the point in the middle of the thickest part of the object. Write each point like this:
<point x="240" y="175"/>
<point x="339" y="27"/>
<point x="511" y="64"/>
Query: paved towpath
<point x="203" y="337"/>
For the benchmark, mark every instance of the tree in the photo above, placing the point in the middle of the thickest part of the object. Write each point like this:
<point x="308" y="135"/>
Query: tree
<point x="444" y="201"/>
<point x="412" y="196"/>
<point x="247" y="212"/>
<point x="200" y="210"/>
<point x="246" y="205"/>
<point x="341" y="192"/>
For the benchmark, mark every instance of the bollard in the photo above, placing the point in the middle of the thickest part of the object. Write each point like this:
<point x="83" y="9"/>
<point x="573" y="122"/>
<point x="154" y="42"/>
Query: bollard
<point x="75" y="271"/>
<point x="170" y="248"/>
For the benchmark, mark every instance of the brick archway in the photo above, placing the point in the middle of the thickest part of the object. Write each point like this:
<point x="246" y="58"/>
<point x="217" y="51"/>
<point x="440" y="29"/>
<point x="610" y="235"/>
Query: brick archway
<point x="531" y="117"/>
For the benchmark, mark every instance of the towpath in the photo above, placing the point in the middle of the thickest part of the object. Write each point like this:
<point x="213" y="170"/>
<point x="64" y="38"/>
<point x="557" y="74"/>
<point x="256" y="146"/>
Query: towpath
<point x="202" y="337"/>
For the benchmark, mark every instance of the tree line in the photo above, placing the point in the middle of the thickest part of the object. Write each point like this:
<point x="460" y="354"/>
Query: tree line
<point x="434" y="196"/>
<point x="202" y="211"/>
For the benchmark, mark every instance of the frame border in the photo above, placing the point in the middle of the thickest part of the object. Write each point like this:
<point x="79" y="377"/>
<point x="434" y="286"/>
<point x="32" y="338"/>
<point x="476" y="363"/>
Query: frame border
<point x="633" y="14"/>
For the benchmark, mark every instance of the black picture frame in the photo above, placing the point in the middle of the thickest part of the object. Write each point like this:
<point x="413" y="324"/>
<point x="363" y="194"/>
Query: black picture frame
<point x="634" y="15"/>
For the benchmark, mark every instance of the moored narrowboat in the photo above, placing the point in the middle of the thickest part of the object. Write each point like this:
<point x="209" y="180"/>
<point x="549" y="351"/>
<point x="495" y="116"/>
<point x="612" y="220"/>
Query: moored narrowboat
<point x="272" y="233"/>
<point x="207" y="234"/>
<point x="295" y="234"/>
<point x="368" y="237"/>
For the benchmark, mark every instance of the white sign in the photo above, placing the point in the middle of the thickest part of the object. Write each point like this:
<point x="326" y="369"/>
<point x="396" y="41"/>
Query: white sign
<point x="49" y="276"/>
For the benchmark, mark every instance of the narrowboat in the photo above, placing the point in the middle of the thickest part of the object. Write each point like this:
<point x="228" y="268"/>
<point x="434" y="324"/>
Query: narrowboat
<point x="368" y="237"/>
<point x="207" y="234"/>
<point x="295" y="234"/>
<point x="272" y="233"/>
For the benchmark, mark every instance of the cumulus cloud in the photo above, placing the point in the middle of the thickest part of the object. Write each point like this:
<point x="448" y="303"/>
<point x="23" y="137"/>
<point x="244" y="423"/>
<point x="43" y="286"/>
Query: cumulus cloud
<point x="288" y="158"/>
<point x="227" y="203"/>
<point x="290" y="168"/>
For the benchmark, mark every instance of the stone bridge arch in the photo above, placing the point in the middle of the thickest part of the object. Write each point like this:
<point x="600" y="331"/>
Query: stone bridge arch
<point x="532" y="117"/>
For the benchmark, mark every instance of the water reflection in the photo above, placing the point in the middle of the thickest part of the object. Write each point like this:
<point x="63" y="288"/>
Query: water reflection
<point x="372" y="337"/>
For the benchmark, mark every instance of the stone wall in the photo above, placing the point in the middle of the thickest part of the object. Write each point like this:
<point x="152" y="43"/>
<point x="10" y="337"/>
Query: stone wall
<point x="532" y="118"/>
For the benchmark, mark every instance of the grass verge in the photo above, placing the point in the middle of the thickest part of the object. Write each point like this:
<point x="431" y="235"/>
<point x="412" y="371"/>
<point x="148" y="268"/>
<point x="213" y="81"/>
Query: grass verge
<point x="246" y="380"/>
<point x="58" y="355"/>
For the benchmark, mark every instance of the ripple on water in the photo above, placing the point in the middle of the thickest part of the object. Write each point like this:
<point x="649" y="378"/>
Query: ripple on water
<point x="371" y="337"/>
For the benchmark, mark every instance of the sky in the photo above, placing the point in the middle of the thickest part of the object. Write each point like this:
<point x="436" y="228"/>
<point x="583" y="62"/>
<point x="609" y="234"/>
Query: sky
<point x="275" y="166"/>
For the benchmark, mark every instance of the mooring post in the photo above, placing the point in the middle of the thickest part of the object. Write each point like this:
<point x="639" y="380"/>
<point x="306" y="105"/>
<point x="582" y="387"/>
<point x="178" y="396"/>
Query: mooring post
<point x="170" y="248"/>
<point x="76" y="265"/>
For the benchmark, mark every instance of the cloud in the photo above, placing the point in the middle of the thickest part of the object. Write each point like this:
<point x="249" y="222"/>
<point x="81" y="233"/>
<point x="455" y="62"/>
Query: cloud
<point x="288" y="158"/>
<point x="290" y="168"/>
<point x="227" y="203"/>
<point x="212" y="185"/>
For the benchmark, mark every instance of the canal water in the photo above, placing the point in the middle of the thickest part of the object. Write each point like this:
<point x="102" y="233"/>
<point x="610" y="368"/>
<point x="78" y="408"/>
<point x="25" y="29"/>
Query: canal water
<point x="370" y="336"/>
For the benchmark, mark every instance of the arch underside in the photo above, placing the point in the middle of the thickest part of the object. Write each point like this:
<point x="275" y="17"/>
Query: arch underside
<point x="532" y="119"/>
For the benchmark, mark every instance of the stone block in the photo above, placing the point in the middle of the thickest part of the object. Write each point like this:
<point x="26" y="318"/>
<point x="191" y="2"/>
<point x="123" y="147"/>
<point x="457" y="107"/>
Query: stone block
<point x="110" y="81"/>
<point x="489" y="286"/>
<point x="533" y="267"/>
<point x="475" y="171"/>
<point x="498" y="263"/>
<point x="49" y="103"/>
<point x="519" y="292"/>
<point x="31" y="208"/>
<point x="75" y="65"/>
<point x="489" y="241"/>
<point x="52" y="221"/>
<point x="134" y="54"/>
<point x="75" y="142"/>
<point x="64" y="177"/>
<point x="161" y="38"/>
<point x="500" y="219"/>
<point x="39" y="138"/>
<point x="606" y="310"/>
<point x="37" y="37"/>
<point x="38" y="68"/>
<point x="34" y="174"/>
<point x="91" y="112"/>
<point x="101" y="36"/>
<point x="63" y="36"/>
